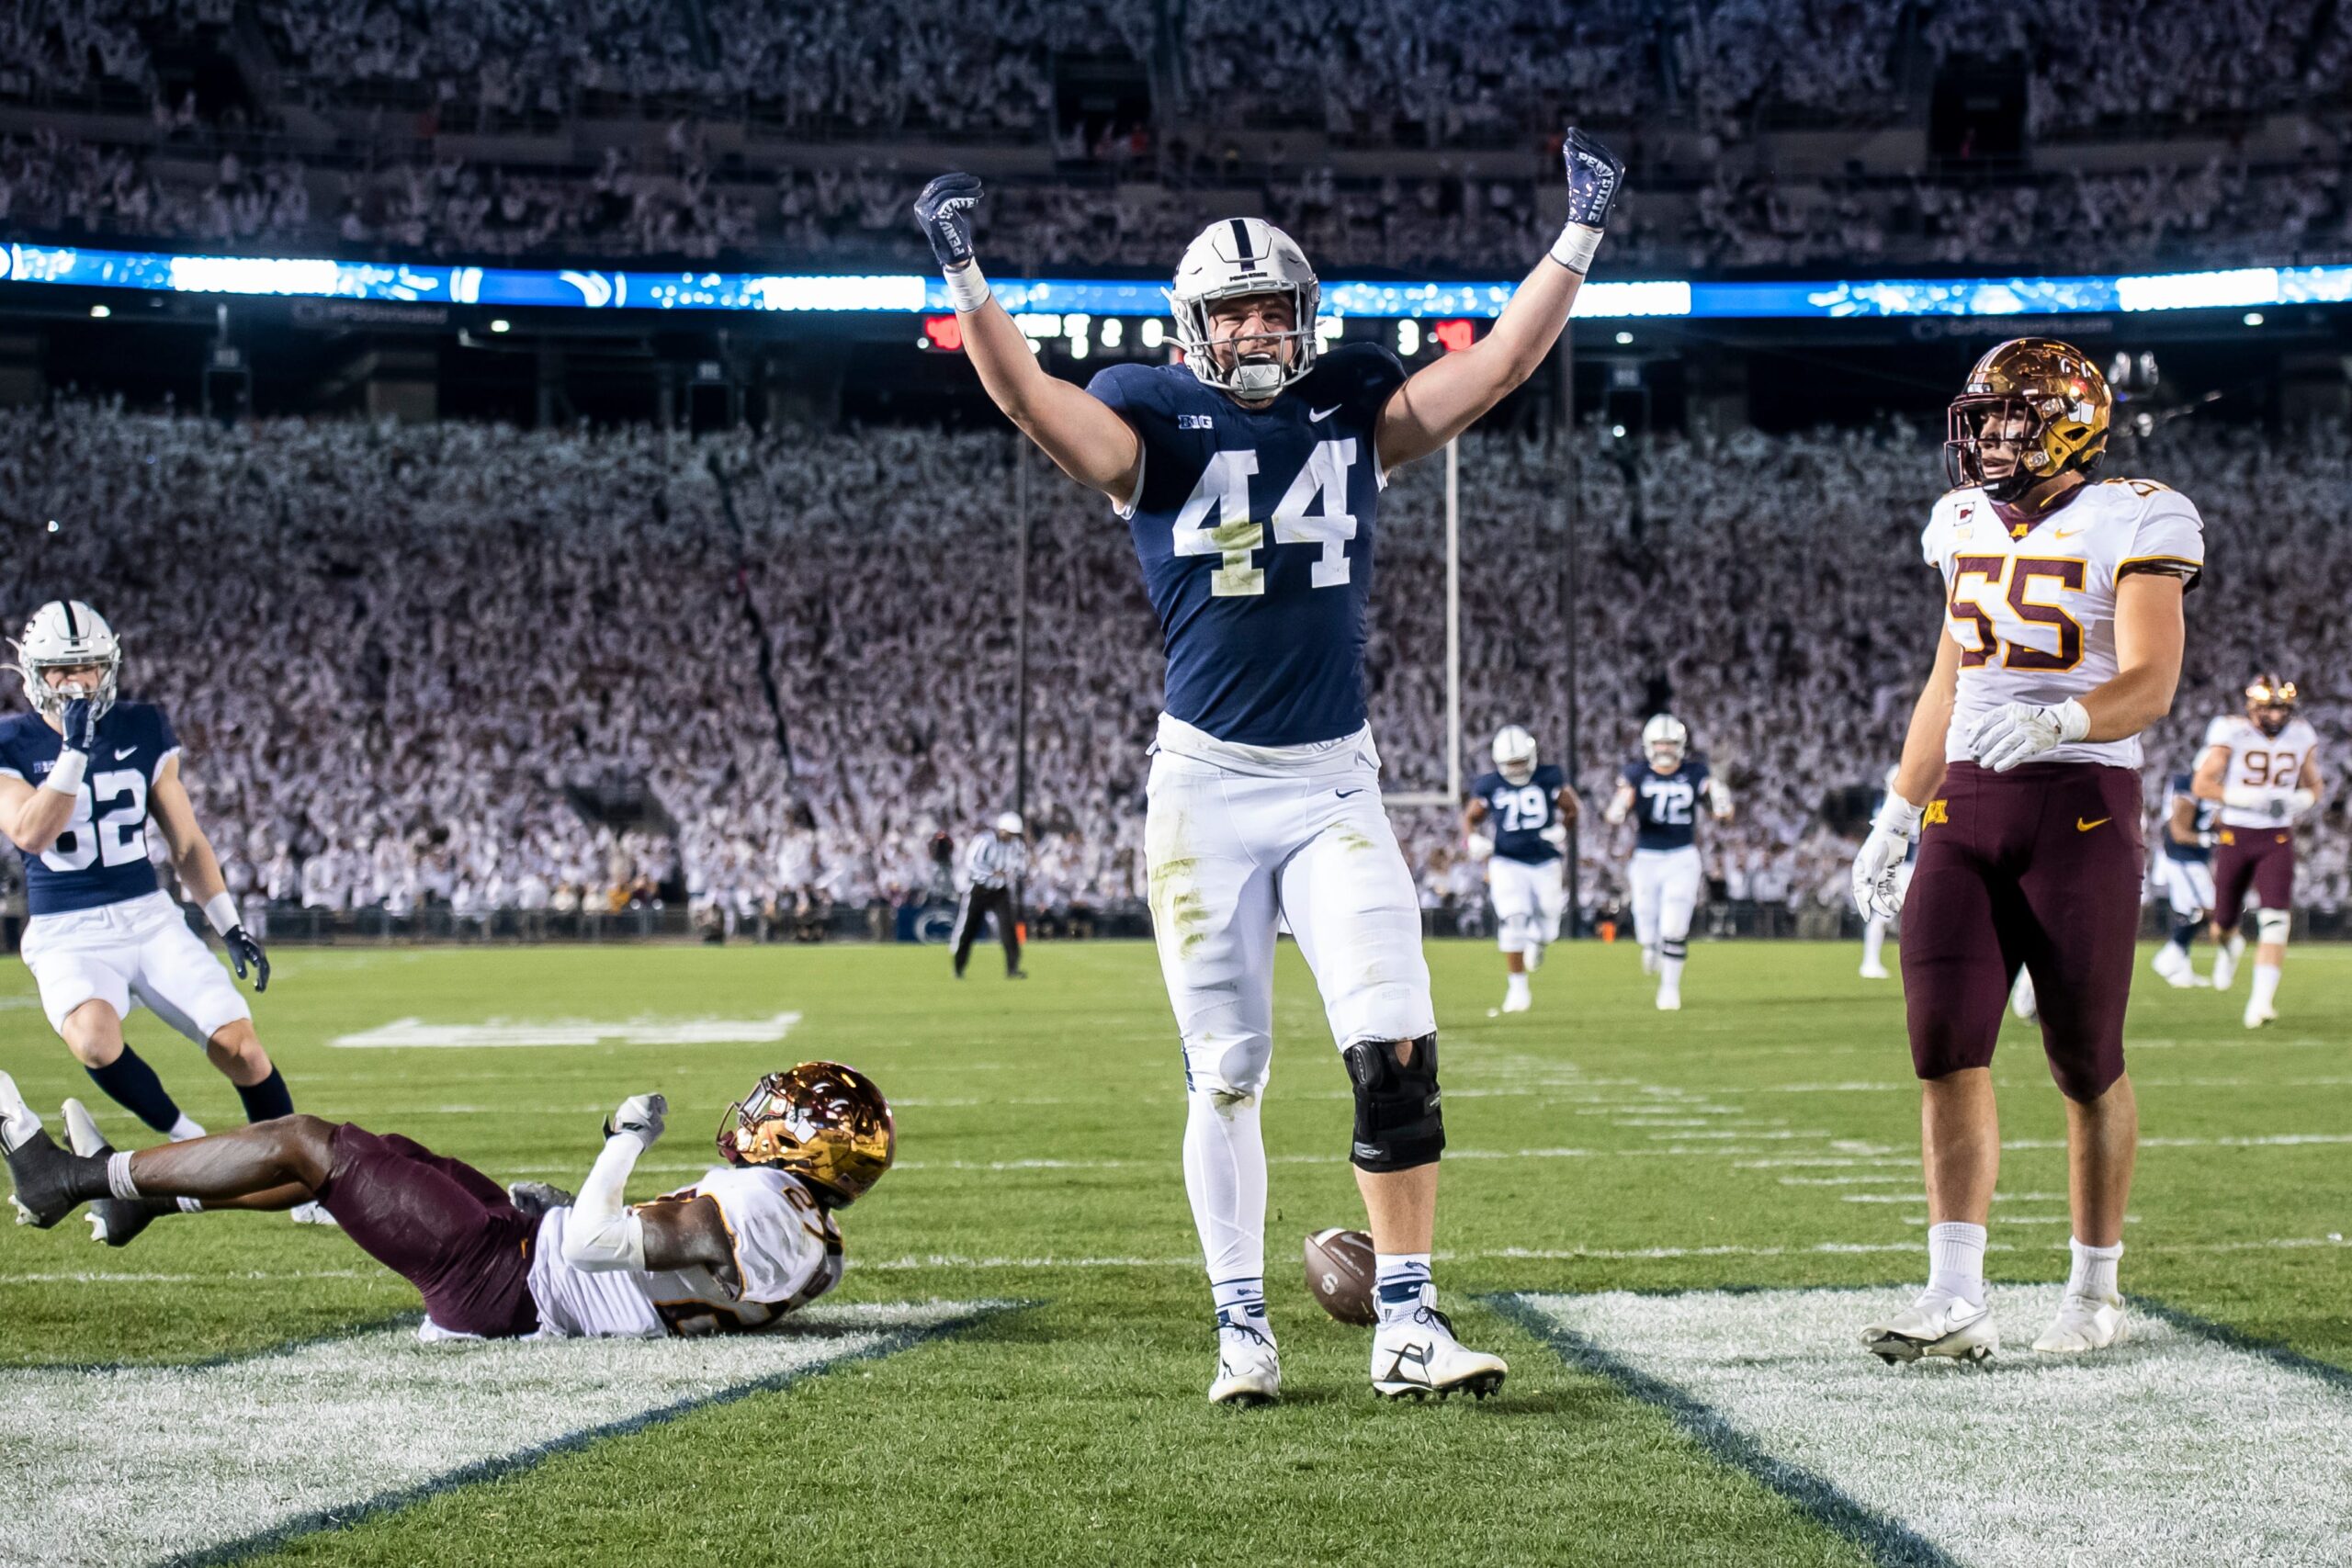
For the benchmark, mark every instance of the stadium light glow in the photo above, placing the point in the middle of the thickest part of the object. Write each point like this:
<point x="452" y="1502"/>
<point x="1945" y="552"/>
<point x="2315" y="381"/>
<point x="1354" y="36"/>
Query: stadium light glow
<point x="1154" y="333"/>
<point x="1455" y="335"/>
<point x="1409" y="338"/>
<point x="2240" y="288"/>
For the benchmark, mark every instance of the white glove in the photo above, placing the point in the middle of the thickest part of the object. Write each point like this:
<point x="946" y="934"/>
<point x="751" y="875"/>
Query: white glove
<point x="1481" y="847"/>
<point x="641" y="1114"/>
<point x="2015" y="731"/>
<point x="1557" y="835"/>
<point x="2300" y="804"/>
<point x="1878" y="886"/>
<point x="2245" y="797"/>
<point x="1616" y="812"/>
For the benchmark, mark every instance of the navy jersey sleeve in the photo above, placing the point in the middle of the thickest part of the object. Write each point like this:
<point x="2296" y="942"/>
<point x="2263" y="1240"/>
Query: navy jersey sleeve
<point x="1551" y="778"/>
<point x="1631" y="773"/>
<point x="1700" y="772"/>
<point x="1129" y="391"/>
<point x="1482" y="787"/>
<point x="12" y="763"/>
<point x="164" y="742"/>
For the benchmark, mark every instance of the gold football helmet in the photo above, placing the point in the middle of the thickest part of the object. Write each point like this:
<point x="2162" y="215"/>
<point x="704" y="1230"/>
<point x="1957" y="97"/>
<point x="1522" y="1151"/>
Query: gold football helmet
<point x="2060" y="393"/>
<point x="824" y="1122"/>
<point x="2269" y="702"/>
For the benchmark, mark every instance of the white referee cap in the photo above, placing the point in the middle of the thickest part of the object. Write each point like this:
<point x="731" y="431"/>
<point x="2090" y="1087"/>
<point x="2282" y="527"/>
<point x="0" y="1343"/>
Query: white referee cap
<point x="1008" y="823"/>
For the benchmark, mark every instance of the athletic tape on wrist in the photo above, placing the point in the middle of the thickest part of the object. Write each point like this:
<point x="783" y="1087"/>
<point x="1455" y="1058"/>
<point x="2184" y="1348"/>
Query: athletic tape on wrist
<point x="65" y="778"/>
<point x="967" y="288"/>
<point x="1574" y="247"/>
<point x="221" y="910"/>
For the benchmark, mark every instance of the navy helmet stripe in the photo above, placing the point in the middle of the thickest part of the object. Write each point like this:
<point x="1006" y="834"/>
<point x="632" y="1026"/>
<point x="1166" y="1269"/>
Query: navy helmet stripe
<point x="72" y="629"/>
<point x="1244" y="250"/>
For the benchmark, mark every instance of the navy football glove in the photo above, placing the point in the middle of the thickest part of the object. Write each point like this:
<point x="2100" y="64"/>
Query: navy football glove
<point x="245" y="953"/>
<point x="945" y="211"/>
<point x="80" y="718"/>
<point x="1594" y="175"/>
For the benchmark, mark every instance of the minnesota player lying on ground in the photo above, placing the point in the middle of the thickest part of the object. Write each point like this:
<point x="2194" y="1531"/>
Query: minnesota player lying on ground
<point x="749" y="1242"/>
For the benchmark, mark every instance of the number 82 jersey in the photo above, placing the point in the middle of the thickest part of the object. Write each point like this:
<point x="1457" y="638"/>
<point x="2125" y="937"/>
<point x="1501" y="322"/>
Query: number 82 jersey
<point x="2032" y="603"/>
<point x="101" y="857"/>
<point x="1254" y="526"/>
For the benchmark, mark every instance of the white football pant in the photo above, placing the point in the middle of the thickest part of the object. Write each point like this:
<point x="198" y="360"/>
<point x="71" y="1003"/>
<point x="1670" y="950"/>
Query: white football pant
<point x="1530" y="897"/>
<point x="1666" y="895"/>
<point x="1228" y="854"/>
<point x="139" y="953"/>
<point x="2188" y="886"/>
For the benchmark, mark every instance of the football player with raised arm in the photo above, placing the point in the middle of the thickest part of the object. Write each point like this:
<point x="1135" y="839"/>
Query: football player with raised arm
<point x="2262" y="768"/>
<point x="747" y="1244"/>
<point x="81" y="776"/>
<point x="1517" y="820"/>
<point x="1250" y="479"/>
<point x="2060" y="642"/>
<point x="1662" y="793"/>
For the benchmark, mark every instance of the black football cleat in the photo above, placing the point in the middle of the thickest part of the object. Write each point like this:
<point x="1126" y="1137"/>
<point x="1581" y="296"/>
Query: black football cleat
<point x="112" y="1220"/>
<point x="44" y="1173"/>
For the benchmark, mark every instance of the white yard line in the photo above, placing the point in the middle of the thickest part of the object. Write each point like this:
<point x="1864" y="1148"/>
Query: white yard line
<point x="2176" y="1448"/>
<point x="139" y="1464"/>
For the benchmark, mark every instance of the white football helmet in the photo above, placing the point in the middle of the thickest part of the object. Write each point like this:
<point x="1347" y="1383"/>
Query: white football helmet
<point x="67" y="632"/>
<point x="1010" y="823"/>
<point x="1515" y="754"/>
<point x="1665" y="740"/>
<point x="1235" y="256"/>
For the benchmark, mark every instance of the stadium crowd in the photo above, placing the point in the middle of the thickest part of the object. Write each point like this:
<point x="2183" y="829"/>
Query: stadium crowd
<point x="408" y="662"/>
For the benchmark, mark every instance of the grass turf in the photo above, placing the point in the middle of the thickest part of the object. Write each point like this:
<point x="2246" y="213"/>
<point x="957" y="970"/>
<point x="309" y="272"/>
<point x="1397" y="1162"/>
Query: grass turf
<point x="1596" y="1143"/>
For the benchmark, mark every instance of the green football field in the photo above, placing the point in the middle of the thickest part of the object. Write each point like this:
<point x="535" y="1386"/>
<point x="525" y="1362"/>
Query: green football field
<point x="1609" y="1166"/>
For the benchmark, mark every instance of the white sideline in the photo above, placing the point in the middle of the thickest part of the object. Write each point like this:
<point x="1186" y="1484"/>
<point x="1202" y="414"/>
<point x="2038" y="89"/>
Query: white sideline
<point x="137" y="1464"/>
<point x="2177" y="1448"/>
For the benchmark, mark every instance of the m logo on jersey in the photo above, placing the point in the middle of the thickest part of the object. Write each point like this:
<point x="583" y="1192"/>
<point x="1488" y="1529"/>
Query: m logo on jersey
<point x="1937" y="811"/>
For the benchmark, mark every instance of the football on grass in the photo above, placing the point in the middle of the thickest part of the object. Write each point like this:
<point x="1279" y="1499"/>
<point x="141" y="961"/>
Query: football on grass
<point x="1340" y="1270"/>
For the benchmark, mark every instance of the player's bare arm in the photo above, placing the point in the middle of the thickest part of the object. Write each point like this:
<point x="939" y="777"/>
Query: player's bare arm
<point x="1571" y="805"/>
<point x="2149" y="631"/>
<point x="34" y="817"/>
<point x="1620" y="805"/>
<point x="2181" y="826"/>
<point x="2213" y="767"/>
<point x="2310" y="784"/>
<point x="1443" y="399"/>
<point x="1878" y="887"/>
<point x="200" y="871"/>
<point x="1080" y="432"/>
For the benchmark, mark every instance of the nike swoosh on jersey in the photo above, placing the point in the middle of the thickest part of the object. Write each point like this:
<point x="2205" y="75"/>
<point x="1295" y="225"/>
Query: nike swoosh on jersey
<point x="1317" y="416"/>
<point x="124" y="751"/>
<point x="2083" y="827"/>
<point x="2065" y="532"/>
<point x="1345" y="793"/>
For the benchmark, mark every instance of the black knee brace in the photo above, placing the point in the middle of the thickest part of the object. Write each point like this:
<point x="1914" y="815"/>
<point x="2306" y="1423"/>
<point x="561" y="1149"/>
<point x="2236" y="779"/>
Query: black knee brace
<point x="1674" y="947"/>
<point x="1399" y="1122"/>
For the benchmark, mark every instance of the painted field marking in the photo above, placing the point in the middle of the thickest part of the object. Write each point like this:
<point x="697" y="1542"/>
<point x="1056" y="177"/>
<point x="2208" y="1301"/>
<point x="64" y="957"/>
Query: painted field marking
<point x="410" y="1033"/>
<point x="2180" y="1448"/>
<point x="138" y="1465"/>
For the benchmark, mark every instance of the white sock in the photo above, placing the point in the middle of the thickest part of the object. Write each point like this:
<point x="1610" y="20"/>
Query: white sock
<point x="1515" y="987"/>
<point x="118" y="1180"/>
<point x="1669" y="972"/>
<point x="1241" y="1302"/>
<point x="1874" y="943"/>
<point x="1401" y="1284"/>
<point x="2266" y="985"/>
<point x="2094" y="1271"/>
<point x="184" y="1129"/>
<point x="2237" y="944"/>
<point x="1224" y="1176"/>
<point x="1956" y="1260"/>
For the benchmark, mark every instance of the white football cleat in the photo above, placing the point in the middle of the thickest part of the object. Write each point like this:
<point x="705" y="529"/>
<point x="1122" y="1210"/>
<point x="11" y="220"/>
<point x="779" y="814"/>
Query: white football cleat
<point x="1248" y="1369"/>
<point x="1517" y="1002"/>
<point x="310" y="1213"/>
<point x="2179" y="972"/>
<point x="2084" y="1323"/>
<point x="1534" y="957"/>
<point x="1670" y="998"/>
<point x="2259" y="1013"/>
<point x="1874" y="972"/>
<point x="2225" y="964"/>
<point x="1934" y="1324"/>
<point x="1649" y="961"/>
<point x="1419" y="1356"/>
<point x="2022" y="1000"/>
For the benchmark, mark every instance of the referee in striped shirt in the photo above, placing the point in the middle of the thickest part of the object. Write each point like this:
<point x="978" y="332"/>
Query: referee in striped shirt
<point x="992" y="864"/>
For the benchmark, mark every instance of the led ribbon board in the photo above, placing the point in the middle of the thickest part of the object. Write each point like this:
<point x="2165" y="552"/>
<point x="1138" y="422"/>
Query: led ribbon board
<point x="915" y="293"/>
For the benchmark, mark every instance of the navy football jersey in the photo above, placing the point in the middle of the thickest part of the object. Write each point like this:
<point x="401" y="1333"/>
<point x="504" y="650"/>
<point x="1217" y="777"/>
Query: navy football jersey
<point x="1518" y="814"/>
<point x="1666" y="806"/>
<point x="101" y="857"/>
<point x="2208" y="813"/>
<point x="1255" y="532"/>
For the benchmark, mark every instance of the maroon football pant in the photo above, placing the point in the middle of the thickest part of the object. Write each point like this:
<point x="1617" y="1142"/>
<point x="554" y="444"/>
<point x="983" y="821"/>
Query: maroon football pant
<point x="2038" y="869"/>
<point x="440" y="1224"/>
<point x="2262" y="859"/>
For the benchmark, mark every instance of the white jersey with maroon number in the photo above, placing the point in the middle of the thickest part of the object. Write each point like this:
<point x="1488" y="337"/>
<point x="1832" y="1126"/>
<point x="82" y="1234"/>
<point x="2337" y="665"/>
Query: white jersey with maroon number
<point x="787" y="1253"/>
<point x="2270" y="765"/>
<point x="2033" y="609"/>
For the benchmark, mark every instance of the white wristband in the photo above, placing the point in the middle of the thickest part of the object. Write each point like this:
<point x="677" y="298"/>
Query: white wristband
<point x="2074" y="721"/>
<point x="221" y="910"/>
<point x="65" y="778"/>
<point x="1574" y="247"/>
<point x="967" y="288"/>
